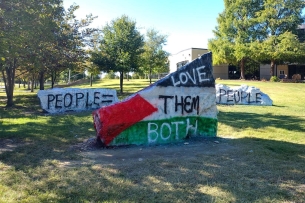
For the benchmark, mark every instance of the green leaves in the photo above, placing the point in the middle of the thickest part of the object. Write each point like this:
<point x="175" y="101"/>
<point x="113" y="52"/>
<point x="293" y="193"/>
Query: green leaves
<point x="38" y="38"/>
<point x="154" y="58"/>
<point x="259" y="30"/>
<point x="120" y="47"/>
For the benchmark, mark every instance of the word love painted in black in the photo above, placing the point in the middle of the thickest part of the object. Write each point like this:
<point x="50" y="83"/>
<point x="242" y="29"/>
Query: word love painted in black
<point x="68" y="99"/>
<point x="236" y="96"/>
<point x="184" y="103"/>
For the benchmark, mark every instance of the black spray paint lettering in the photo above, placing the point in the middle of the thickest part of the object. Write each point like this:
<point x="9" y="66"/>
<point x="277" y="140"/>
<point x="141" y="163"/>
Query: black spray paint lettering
<point x="184" y="77"/>
<point x="165" y="130"/>
<point x="238" y="96"/>
<point x="187" y="104"/>
<point x="66" y="101"/>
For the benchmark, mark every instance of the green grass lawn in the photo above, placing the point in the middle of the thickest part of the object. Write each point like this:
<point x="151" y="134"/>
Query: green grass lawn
<point x="259" y="155"/>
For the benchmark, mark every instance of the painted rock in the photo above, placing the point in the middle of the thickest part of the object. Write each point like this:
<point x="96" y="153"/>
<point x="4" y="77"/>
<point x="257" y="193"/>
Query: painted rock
<point x="58" y="100"/>
<point x="178" y="106"/>
<point x="242" y="95"/>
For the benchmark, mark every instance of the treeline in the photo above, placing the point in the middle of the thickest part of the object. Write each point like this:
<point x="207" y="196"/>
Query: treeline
<point x="265" y="31"/>
<point x="40" y="39"/>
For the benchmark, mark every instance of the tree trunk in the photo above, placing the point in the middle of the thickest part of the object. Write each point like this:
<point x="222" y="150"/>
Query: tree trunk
<point x="149" y="74"/>
<point x="91" y="80"/>
<point x="242" y="69"/>
<point x="32" y="83"/>
<point x="272" y="65"/>
<point x="53" y="78"/>
<point x="9" y="82"/>
<point x="121" y="82"/>
<point x="29" y="84"/>
<point x="41" y="80"/>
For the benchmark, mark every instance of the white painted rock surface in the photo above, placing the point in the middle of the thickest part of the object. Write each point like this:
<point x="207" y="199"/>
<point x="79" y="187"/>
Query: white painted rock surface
<point x="242" y="95"/>
<point x="178" y="106"/>
<point x="58" y="100"/>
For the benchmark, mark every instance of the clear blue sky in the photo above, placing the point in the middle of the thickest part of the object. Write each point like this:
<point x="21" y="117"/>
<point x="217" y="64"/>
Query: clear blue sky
<point x="188" y="23"/>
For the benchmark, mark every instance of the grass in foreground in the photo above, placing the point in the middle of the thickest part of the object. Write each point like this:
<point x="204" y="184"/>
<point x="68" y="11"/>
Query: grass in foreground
<point x="260" y="156"/>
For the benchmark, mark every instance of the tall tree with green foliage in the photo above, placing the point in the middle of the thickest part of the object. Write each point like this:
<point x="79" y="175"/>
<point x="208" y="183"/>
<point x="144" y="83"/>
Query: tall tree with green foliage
<point x="70" y="38"/>
<point x="279" y="20"/>
<point x="39" y="37"/>
<point x="235" y="32"/>
<point x="154" y="58"/>
<point x="15" y="21"/>
<point x="120" y="48"/>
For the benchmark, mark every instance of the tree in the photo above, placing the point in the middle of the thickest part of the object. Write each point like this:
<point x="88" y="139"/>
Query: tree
<point x="279" y="20"/>
<point x="72" y="36"/>
<point x="154" y="58"/>
<point x="14" y="19"/>
<point x="120" y="48"/>
<point x="39" y="37"/>
<point x="235" y="32"/>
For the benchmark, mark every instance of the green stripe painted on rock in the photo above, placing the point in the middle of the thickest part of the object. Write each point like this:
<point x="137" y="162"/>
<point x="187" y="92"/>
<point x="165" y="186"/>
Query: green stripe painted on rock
<point x="167" y="130"/>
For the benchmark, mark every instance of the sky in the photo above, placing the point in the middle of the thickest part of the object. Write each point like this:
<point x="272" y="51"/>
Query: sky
<point x="187" y="23"/>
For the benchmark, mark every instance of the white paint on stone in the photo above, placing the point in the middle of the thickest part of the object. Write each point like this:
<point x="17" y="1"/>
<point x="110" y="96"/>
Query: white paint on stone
<point x="181" y="101"/>
<point x="242" y="95"/>
<point x="58" y="100"/>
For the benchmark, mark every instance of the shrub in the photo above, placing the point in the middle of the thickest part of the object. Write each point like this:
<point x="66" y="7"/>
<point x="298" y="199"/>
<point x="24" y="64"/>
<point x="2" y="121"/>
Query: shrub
<point x="274" y="79"/>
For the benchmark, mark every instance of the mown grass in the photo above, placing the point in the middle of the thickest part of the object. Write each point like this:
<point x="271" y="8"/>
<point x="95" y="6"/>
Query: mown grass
<point x="259" y="155"/>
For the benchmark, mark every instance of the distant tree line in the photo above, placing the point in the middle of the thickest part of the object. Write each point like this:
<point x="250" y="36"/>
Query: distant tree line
<point x="265" y="31"/>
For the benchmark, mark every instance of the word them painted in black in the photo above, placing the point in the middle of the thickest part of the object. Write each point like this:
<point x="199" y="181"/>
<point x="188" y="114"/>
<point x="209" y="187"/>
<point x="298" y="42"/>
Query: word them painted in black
<point x="187" y="104"/>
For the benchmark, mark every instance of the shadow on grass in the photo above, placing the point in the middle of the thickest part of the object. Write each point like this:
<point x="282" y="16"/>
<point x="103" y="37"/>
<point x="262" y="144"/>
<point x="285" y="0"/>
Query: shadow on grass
<point x="44" y="137"/>
<point x="256" y="121"/>
<point x="42" y="167"/>
<point x="240" y="170"/>
<point x="24" y="105"/>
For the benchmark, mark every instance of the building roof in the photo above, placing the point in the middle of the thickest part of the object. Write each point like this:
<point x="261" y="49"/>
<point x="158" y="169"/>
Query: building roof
<point x="188" y="49"/>
<point x="301" y="26"/>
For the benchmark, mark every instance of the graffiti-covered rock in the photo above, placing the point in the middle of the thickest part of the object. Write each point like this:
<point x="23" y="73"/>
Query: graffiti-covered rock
<point x="180" y="105"/>
<point x="243" y="95"/>
<point x="75" y="99"/>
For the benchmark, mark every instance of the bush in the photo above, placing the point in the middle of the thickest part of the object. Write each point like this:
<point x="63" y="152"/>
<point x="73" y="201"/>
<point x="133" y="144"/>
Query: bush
<point x="110" y="75"/>
<point x="274" y="79"/>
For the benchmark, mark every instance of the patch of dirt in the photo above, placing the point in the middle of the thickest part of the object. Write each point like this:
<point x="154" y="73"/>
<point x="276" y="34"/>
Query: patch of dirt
<point x="125" y="154"/>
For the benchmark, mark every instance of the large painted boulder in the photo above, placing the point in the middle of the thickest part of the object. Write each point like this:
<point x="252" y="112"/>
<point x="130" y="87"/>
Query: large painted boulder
<point x="59" y="100"/>
<point x="176" y="107"/>
<point x="242" y="95"/>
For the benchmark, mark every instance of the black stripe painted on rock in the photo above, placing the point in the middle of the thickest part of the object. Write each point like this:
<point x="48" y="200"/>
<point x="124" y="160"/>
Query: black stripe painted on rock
<point x="198" y="73"/>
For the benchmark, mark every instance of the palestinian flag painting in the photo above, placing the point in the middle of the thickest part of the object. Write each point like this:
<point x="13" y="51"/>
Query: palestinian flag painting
<point x="180" y="105"/>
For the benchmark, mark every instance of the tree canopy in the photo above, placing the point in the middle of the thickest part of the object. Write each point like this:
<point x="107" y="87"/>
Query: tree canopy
<point x="120" y="48"/>
<point x="259" y="30"/>
<point x="38" y="37"/>
<point x="154" y="58"/>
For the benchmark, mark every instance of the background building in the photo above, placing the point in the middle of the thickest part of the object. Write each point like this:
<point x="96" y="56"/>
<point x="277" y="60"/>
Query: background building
<point x="183" y="57"/>
<point x="226" y="71"/>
